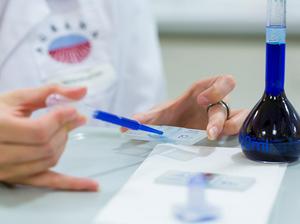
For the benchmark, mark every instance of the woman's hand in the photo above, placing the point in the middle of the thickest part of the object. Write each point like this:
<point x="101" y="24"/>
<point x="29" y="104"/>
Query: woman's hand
<point x="30" y="147"/>
<point x="190" y="110"/>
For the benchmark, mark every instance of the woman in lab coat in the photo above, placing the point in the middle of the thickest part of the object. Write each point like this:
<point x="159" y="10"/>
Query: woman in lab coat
<point x="110" y="46"/>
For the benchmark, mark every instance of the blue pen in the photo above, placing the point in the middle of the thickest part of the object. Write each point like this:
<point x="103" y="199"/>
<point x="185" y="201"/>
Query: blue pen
<point x="56" y="99"/>
<point x="124" y="122"/>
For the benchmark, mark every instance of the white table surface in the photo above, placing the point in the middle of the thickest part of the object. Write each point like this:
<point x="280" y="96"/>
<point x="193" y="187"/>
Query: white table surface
<point x="111" y="160"/>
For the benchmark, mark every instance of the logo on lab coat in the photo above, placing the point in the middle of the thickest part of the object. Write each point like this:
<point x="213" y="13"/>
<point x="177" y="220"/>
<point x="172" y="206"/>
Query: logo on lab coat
<point x="70" y="49"/>
<point x="73" y="51"/>
<point x="67" y="44"/>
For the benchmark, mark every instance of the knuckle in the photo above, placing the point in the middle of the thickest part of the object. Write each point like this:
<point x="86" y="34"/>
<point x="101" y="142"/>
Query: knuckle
<point x="49" y="150"/>
<point x="198" y="85"/>
<point x="61" y="115"/>
<point x="42" y="136"/>
<point x="230" y="80"/>
<point x="215" y="92"/>
<point x="40" y="132"/>
<point x="52" y="162"/>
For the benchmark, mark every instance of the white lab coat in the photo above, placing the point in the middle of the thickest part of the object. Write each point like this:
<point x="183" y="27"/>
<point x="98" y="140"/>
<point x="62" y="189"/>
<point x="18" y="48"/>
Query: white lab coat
<point x="119" y="38"/>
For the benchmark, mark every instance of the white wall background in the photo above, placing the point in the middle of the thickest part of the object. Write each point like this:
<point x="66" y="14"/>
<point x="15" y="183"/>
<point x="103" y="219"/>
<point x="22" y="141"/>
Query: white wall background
<point x="191" y="58"/>
<point x="201" y="38"/>
<point x="247" y="16"/>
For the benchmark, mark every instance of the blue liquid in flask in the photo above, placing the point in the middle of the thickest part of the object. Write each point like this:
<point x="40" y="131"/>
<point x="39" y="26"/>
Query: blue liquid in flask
<point x="271" y="132"/>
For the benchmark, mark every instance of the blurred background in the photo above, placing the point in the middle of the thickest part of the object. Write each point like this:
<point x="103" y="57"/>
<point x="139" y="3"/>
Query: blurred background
<point x="200" y="38"/>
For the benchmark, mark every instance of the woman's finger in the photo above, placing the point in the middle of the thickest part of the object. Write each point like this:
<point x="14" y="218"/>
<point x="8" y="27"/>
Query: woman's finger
<point x="58" y="181"/>
<point x="143" y="118"/>
<point x="235" y="122"/>
<point x="18" y="154"/>
<point x="217" y="90"/>
<point x="217" y="116"/>
<point x="54" y="148"/>
<point x="162" y="114"/>
<point x="29" y="131"/>
<point x="22" y="153"/>
<point x="34" y="98"/>
<point x="78" y="122"/>
<point x="20" y="171"/>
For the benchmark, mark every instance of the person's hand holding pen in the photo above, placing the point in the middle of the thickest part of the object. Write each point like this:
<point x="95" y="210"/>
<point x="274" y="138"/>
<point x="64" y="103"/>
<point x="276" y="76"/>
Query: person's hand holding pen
<point x="191" y="109"/>
<point x="29" y="147"/>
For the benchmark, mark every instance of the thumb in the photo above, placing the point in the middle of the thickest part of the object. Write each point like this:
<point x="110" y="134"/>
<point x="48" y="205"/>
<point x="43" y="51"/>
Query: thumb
<point x="161" y="114"/>
<point x="34" y="98"/>
<point x="57" y="181"/>
<point x="144" y="118"/>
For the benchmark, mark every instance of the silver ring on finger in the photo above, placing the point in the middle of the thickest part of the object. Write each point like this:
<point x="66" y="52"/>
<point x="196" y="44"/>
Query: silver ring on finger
<point x="223" y="104"/>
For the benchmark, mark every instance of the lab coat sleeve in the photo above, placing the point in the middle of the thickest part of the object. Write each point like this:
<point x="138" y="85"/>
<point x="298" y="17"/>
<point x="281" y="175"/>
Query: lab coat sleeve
<point x="142" y="83"/>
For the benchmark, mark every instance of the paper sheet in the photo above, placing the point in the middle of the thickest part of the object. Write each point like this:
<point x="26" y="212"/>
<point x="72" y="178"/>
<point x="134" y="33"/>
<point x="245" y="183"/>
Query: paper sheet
<point x="143" y="201"/>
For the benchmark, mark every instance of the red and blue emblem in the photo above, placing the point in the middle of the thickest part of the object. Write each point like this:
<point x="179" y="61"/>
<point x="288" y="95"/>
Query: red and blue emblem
<point x="70" y="49"/>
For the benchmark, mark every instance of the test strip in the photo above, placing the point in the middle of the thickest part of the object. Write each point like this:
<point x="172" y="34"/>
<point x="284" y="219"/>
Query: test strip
<point x="175" y="135"/>
<point x="214" y="181"/>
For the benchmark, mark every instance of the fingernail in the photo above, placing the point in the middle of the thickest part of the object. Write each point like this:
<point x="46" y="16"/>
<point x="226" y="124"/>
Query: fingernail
<point x="202" y="100"/>
<point x="96" y="187"/>
<point x="213" y="133"/>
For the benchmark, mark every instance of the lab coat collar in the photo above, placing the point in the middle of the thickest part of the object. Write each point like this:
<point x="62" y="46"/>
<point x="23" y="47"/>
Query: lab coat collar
<point x="14" y="29"/>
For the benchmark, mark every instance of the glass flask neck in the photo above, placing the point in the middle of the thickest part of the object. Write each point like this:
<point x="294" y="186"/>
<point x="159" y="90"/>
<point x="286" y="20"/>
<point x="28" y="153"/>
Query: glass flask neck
<point x="276" y="13"/>
<point x="275" y="68"/>
<point x="275" y="47"/>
